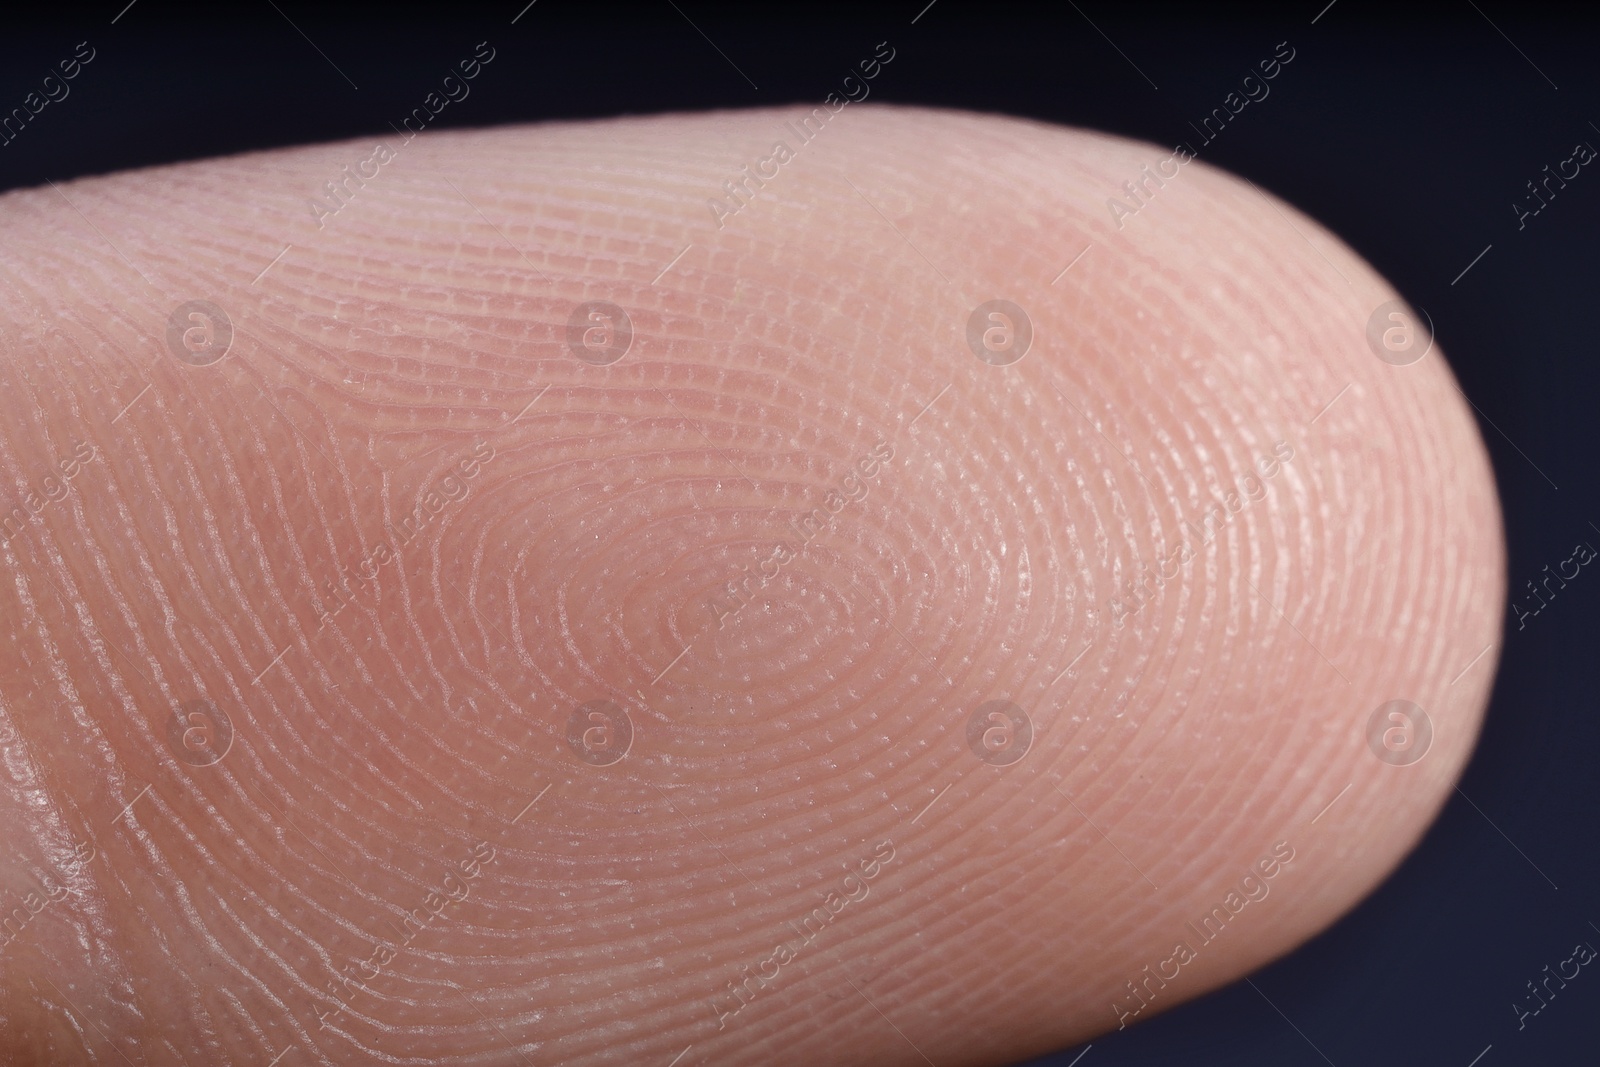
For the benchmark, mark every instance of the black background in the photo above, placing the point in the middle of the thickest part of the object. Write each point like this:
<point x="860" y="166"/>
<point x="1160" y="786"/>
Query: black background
<point x="1410" y="134"/>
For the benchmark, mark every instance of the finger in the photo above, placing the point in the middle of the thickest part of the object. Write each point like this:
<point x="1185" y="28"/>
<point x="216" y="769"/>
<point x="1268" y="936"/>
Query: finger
<point x="768" y="588"/>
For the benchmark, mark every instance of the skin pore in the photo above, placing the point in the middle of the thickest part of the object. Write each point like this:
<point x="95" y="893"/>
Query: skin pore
<point x="525" y="617"/>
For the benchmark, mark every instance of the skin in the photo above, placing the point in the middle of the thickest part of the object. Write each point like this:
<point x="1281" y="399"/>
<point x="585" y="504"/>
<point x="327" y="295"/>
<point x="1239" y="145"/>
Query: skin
<point x="788" y="733"/>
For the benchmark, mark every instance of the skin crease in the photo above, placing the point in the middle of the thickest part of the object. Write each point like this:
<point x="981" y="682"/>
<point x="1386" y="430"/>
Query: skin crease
<point x="800" y="741"/>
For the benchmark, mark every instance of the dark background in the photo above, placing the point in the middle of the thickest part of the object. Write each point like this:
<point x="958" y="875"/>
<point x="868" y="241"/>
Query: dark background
<point x="1409" y="134"/>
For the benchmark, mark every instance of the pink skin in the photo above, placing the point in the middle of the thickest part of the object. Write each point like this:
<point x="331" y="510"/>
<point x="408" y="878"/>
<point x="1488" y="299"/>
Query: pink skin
<point x="796" y="536"/>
